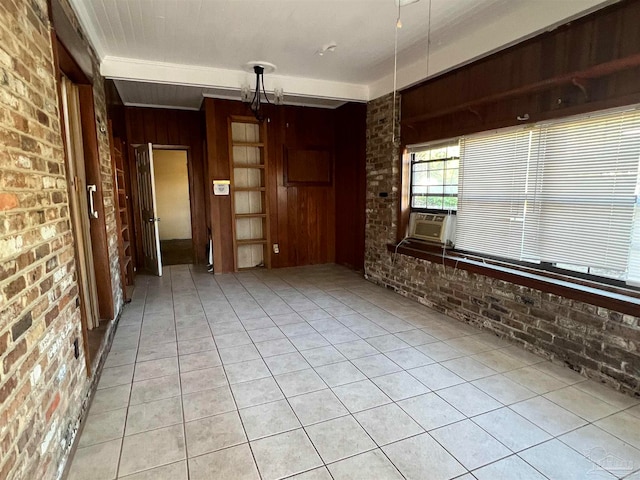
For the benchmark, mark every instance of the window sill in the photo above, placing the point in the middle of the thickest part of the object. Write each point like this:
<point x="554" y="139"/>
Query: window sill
<point x="617" y="299"/>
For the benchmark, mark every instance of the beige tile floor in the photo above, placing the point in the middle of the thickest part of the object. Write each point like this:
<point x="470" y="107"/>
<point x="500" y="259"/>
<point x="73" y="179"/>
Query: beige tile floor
<point x="314" y="373"/>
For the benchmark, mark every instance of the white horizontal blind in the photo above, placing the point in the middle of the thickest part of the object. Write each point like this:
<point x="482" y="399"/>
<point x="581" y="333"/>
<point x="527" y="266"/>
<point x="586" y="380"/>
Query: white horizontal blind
<point x="493" y="192"/>
<point x="633" y="275"/>
<point x="565" y="193"/>
<point x="589" y="171"/>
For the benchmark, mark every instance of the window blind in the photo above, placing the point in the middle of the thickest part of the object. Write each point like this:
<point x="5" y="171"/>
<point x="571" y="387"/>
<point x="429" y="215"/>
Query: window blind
<point x="565" y="193"/>
<point x="633" y="275"/>
<point x="493" y="194"/>
<point x="589" y="171"/>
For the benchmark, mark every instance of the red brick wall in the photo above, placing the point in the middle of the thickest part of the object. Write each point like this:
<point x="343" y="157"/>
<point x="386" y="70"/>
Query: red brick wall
<point x="43" y="388"/>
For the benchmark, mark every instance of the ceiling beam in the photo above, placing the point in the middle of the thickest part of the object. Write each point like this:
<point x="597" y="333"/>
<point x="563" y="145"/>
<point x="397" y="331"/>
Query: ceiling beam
<point x="119" y="68"/>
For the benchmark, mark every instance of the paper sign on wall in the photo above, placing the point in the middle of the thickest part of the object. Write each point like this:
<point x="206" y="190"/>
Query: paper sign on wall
<point x="221" y="187"/>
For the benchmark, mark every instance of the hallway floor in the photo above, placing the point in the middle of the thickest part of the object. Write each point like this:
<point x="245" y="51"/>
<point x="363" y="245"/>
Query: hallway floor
<point x="176" y="252"/>
<point x="314" y="373"/>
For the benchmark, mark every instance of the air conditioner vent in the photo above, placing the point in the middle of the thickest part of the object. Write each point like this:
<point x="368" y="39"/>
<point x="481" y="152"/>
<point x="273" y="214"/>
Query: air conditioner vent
<point x="433" y="228"/>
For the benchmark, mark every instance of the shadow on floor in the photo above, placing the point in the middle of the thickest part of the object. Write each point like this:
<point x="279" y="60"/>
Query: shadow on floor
<point x="176" y="252"/>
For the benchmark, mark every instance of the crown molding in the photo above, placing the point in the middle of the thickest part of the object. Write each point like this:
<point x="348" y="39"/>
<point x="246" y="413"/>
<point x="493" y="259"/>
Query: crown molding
<point x="120" y="68"/>
<point x="80" y="9"/>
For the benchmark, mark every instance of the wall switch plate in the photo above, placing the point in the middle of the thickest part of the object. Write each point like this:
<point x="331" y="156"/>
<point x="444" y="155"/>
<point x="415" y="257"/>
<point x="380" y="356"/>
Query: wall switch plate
<point x="276" y="248"/>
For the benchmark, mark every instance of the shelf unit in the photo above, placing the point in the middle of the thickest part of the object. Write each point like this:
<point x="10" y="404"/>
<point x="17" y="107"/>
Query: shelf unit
<point x="250" y="209"/>
<point x="123" y="222"/>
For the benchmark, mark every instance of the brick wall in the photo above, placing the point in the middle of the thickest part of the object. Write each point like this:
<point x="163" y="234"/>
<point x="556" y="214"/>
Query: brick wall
<point x="100" y="105"/>
<point x="43" y="388"/>
<point x="599" y="343"/>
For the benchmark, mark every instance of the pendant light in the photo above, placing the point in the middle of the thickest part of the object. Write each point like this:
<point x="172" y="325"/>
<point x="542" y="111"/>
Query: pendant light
<point x="256" y="101"/>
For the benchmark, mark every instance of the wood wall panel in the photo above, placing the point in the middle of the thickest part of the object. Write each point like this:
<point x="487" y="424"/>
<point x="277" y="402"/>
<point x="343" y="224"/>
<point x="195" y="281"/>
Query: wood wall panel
<point x="350" y="134"/>
<point x="304" y="218"/>
<point x="310" y="209"/>
<point x="538" y="77"/>
<point x="174" y="128"/>
<point x="307" y="167"/>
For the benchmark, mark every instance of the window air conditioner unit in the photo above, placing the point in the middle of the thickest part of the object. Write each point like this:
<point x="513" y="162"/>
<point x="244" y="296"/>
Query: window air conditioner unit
<point x="433" y="228"/>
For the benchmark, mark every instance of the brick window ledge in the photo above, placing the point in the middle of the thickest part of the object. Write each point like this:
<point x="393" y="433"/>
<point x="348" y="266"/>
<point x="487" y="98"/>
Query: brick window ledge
<point x="609" y="297"/>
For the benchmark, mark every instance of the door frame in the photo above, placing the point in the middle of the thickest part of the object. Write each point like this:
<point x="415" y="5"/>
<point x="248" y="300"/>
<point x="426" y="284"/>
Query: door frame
<point x="149" y="229"/>
<point x="78" y="204"/>
<point x="65" y="64"/>
<point x="135" y="195"/>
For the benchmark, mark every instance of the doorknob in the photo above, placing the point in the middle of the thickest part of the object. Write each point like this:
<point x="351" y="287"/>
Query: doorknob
<point x="91" y="189"/>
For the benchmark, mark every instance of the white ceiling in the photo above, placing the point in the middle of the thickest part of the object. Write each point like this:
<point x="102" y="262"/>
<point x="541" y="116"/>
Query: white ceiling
<point x="171" y="52"/>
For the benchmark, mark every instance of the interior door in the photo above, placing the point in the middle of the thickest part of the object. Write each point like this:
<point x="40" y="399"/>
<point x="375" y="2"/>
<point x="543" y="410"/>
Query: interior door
<point x="148" y="209"/>
<point x="80" y="200"/>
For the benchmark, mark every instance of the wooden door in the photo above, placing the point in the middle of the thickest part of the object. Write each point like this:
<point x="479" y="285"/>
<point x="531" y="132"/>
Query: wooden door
<point x="148" y="209"/>
<point x="80" y="199"/>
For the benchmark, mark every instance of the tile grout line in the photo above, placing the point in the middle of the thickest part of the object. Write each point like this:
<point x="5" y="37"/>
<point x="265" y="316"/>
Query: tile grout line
<point x="251" y="291"/>
<point x="184" y="420"/>
<point x="124" y="431"/>
<point x="286" y="399"/>
<point x="234" y="397"/>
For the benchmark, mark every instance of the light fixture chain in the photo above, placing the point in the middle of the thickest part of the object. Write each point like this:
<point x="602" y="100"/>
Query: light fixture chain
<point x="395" y="80"/>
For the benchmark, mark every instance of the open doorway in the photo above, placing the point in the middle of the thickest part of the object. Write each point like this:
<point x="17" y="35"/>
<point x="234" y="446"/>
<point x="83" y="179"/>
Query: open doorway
<point x="174" y="207"/>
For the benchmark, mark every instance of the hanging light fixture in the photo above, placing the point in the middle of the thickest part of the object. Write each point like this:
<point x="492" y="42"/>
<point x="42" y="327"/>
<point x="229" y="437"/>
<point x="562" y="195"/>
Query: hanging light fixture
<point x="255" y="100"/>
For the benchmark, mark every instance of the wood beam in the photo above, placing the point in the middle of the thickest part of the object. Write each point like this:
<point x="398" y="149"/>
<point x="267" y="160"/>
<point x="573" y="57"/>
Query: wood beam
<point x="575" y="78"/>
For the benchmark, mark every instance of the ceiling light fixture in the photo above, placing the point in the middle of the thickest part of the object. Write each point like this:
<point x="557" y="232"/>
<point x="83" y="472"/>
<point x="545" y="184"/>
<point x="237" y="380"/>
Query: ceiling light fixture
<point x="255" y="102"/>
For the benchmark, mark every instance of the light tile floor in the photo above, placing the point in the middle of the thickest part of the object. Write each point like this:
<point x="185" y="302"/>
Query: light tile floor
<point x="314" y="373"/>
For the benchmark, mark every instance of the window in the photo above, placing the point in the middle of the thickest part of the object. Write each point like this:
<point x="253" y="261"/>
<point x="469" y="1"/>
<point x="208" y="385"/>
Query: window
<point x="564" y="194"/>
<point x="434" y="177"/>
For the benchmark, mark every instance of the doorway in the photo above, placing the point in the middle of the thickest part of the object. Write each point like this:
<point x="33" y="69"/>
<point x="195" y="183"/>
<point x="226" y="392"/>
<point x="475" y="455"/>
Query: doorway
<point x="164" y="216"/>
<point x="174" y="206"/>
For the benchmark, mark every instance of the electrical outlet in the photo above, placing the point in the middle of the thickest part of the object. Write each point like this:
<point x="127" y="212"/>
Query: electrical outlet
<point x="276" y="248"/>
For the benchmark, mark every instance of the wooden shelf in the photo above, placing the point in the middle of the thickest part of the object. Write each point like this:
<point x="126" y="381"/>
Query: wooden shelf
<point x="123" y="221"/>
<point x="249" y="189"/>
<point x="251" y="215"/>
<point x="260" y="253"/>
<point x="243" y="269"/>
<point x="247" y="144"/>
<point x="252" y="241"/>
<point x="248" y="165"/>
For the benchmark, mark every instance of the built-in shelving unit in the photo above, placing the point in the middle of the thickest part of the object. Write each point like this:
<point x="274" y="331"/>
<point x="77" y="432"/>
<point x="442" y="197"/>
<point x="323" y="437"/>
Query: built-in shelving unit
<point x="248" y="161"/>
<point x="123" y="222"/>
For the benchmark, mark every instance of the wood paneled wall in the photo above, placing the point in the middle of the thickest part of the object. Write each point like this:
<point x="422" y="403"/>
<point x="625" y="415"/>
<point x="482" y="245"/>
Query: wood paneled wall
<point x="306" y="213"/>
<point x="175" y="128"/>
<point x="590" y="64"/>
<point x="351" y="185"/>
<point x="304" y="217"/>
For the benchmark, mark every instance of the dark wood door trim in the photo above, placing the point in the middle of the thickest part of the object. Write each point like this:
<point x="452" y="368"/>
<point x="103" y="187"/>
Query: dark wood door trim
<point x="99" y="239"/>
